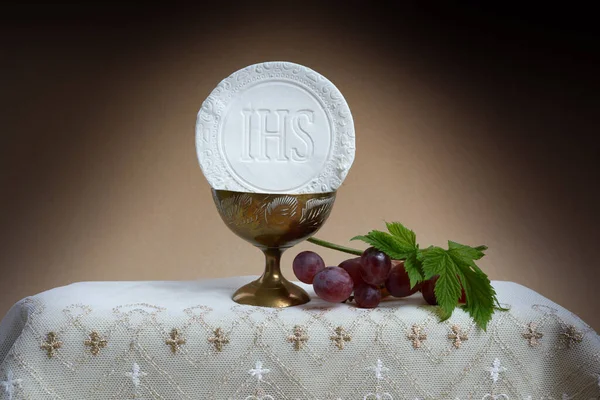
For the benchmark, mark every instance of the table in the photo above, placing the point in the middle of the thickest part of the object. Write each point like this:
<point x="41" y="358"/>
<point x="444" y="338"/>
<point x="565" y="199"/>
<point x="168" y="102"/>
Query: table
<point x="188" y="340"/>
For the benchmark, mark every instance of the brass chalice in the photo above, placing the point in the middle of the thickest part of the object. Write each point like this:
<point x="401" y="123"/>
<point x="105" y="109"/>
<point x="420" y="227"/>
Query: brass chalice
<point x="273" y="223"/>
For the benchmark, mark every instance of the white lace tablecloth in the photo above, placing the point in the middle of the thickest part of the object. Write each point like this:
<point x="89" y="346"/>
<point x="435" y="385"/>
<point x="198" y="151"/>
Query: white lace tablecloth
<point x="188" y="340"/>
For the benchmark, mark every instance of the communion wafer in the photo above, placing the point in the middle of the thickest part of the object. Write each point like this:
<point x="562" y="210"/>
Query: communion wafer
<point x="275" y="127"/>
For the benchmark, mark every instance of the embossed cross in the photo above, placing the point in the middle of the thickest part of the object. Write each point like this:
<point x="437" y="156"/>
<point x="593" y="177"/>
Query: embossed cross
<point x="340" y="337"/>
<point x="175" y="340"/>
<point x="51" y="344"/>
<point x="219" y="339"/>
<point x="299" y="338"/>
<point x="457" y="336"/>
<point x="95" y="342"/>
<point x="416" y="336"/>
<point x="532" y="335"/>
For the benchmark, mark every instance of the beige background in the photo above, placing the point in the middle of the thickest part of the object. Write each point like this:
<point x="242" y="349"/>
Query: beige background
<point x="478" y="140"/>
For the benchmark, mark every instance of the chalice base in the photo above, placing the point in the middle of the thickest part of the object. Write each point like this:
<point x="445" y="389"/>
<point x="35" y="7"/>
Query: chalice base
<point x="265" y="293"/>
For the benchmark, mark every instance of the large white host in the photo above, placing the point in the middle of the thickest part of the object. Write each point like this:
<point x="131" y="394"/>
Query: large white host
<point x="275" y="127"/>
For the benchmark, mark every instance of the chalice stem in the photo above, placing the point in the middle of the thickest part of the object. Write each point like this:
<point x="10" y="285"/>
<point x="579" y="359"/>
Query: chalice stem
<point x="272" y="276"/>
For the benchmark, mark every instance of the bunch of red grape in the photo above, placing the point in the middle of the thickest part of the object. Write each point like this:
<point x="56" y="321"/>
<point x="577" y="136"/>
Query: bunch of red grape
<point x="370" y="277"/>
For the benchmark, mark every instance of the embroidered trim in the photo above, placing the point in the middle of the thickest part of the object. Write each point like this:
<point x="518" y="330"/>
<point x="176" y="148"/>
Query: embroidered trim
<point x="379" y="394"/>
<point x="258" y="397"/>
<point x="95" y="343"/>
<point x="495" y="370"/>
<point x="9" y="384"/>
<point x="259" y="394"/>
<point x="175" y="340"/>
<point x="340" y="337"/>
<point x="416" y="336"/>
<point x="379" y="370"/>
<point x="532" y="335"/>
<point x="258" y="371"/>
<point x="51" y="345"/>
<point x="135" y="375"/>
<point x="571" y="336"/>
<point x="457" y="336"/>
<point x="219" y="339"/>
<point x="299" y="338"/>
<point x="495" y="396"/>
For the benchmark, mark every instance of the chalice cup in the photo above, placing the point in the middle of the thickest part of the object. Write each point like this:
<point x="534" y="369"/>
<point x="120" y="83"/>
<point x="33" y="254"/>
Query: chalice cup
<point x="273" y="223"/>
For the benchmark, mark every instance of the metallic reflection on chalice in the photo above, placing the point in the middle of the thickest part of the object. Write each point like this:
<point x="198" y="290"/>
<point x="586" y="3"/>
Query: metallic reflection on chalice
<point x="273" y="223"/>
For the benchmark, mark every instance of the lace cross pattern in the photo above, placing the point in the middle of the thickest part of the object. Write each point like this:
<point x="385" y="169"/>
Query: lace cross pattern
<point x="256" y="360"/>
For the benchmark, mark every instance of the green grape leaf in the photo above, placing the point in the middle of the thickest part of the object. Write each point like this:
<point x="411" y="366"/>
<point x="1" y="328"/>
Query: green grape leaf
<point x="404" y="235"/>
<point x="414" y="269"/>
<point x="466" y="254"/>
<point x="387" y="243"/>
<point x="480" y="294"/>
<point x="437" y="261"/>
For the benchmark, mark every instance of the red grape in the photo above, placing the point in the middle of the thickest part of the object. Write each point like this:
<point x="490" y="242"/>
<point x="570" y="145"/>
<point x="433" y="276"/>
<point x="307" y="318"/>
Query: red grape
<point x="306" y="265"/>
<point x="428" y="290"/>
<point x="375" y="266"/>
<point x="367" y="296"/>
<point x="398" y="283"/>
<point x="384" y="291"/>
<point x="333" y="284"/>
<point x="352" y="267"/>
